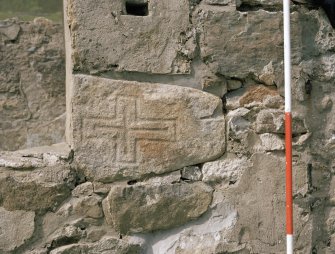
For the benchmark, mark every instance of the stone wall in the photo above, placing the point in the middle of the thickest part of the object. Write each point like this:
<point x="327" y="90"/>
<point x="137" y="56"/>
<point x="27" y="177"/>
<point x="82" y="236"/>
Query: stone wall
<point x="32" y="84"/>
<point x="175" y="134"/>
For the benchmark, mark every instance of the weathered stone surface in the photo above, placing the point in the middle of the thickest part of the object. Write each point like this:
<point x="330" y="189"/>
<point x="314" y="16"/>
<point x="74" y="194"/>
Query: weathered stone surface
<point x="40" y="189"/>
<point x="87" y="206"/>
<point x="191" y="173"/>
<point x="106" y="245"/>
<point x="263" y="185"/>
<point x="238" y="123"/>
<point x="201" y="236"/>
<point x="15" y="228"/>
<point x="107" y="36"/>
<point x="85" y="189"/>
<point x="226" y="170"/>
<point x="32" y="84"/>
<point x="141" y="208"/>
<point x="256" y="37"/>
<point x="272" y="121"/>
<point x="36" y="157"/>
<point x="255" y="34"/>
<point x="271" y="142"/>
<point x="128" y="129"/>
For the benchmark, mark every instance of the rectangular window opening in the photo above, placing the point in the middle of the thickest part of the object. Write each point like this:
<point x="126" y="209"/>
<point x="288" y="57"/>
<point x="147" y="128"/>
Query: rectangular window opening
<point x="137" y="9"/>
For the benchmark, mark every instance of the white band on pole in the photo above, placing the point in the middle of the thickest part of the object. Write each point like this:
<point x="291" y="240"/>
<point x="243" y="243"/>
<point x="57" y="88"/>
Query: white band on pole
<point x="289" y="244"/>
<point x="287" y="55"/>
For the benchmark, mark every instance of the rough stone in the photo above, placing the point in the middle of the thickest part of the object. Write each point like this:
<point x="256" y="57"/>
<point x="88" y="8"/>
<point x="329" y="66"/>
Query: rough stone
<point x="16" y="227"/>
<point x="201" y="236"/>
<point x="191" y="173"/>
<point x="141" y="208"/>
<point x="265" y="178"/>
<point x="65" y="235"/>
<point x="218" y="2"/>
<point x="238" y="123"/>
<point x="106" y="245"/>
<point x="233" y="84"/>
<point x="243" y="33"/>
<point x="272" y="121"/>
<point x="85" y="189"/>
<point x="36" y="157"/>
<point x="32" y="84"/>
<point x="87" y="206"/>
<point x="107" y="36"/>
<point x="129" y="129"/>
<point x="227" y="170"/>
<point x="40" y="189"/>
<point x="271" y="142"/>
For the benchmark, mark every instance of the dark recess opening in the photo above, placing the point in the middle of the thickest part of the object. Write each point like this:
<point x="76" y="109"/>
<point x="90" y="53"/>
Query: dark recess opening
<point x="137" y="9"/>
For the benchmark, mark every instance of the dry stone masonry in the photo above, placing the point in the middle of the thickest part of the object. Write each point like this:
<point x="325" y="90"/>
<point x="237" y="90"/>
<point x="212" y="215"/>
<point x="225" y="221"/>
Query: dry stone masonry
<point x="174" y="130"/>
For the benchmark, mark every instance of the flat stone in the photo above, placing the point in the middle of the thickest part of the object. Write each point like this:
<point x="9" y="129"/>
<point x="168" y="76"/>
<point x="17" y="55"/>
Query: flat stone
<point x="107" y="35"/>
<point x="143" y="208"/>
<point x="105" y="245"/>
<point x="36" y="157"/>
<point x="255" y="36"/>
<point x="249" y="34"/>
<point x="201" y="236"/>
<point x="84" y="189"/>
<point x="191" y="173"/>
<point x="125" y="129"/>
<point x="226" y="170"/>
<point x="11" y="31"/>
<point x="272" y="121"/>
<point x="40" y="189"/>
<point x="271" y="142"/>
<point x="16" y="228"/>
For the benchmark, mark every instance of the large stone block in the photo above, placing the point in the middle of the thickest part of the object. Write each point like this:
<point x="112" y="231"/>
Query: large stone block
<point x="142" y="208"/>
<point x="32" y="84"/>
<point x="128" y="130"/>
<point x="41" y="189"/>
<point x="129" y="35"/>
<point x="15" y="228"/>
<point x="237" y="44"/>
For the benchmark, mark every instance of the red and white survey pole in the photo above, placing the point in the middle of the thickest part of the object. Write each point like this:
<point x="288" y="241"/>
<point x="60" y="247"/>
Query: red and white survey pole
<point x="288" y="128"/>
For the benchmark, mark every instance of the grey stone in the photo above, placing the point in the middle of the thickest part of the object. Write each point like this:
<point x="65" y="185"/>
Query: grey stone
<point x="87" y="206"/>
<point x="36" y="157"/>
<point x="65" y="235"/>
<point x="233" y="84"/>
<point x="271" y="142"/>
<point x="243" y="33"/>
<point x="272" y="121"/>
<point x="141" y="208"/>
<point x="191" y="173"/>
<point x="227" y="170"/>
<point x="105" y="37"/>
<point x="105" y="245"/>
<point x="16" y="227"/>
<point x="125" y="129"/>
<point x="237" y="122"/>
<point x="40" y="189"/>
<point x="219" y="2"/>
<point x="32" y="84"/>
<point x="11" y="31"/>
<point x="201" y="236"/>
<point x="84" y="189"/>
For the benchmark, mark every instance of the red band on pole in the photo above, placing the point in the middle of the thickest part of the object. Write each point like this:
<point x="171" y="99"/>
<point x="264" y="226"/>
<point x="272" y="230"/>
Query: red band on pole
<point x="289" y="194"/>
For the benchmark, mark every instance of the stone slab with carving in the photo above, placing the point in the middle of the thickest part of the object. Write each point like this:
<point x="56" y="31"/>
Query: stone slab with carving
<point x="126" y="130"/>
<point x="129" y="35"/>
